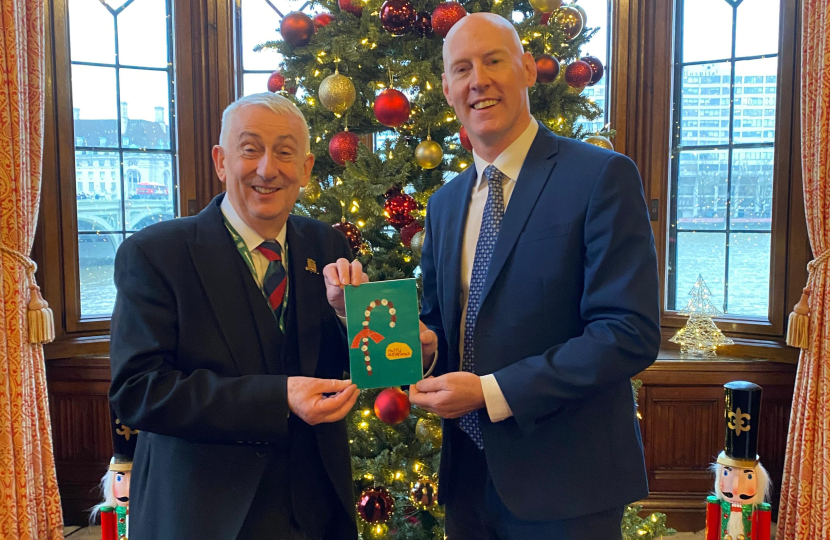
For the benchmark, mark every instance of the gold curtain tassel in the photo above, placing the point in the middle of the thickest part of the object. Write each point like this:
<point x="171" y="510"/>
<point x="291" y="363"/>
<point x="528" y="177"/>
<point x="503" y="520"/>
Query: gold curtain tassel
<point x="798" y="330"/>
<point x="41" y="319"/>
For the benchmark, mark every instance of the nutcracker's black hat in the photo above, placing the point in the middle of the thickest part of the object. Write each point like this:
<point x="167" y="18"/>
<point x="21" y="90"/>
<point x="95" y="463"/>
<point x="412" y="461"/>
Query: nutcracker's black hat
<point x="742" y="416"/>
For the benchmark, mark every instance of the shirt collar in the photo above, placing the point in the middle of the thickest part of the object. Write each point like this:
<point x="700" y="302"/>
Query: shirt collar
<point x="511" y="160"/>
<point x="251" y="238"/>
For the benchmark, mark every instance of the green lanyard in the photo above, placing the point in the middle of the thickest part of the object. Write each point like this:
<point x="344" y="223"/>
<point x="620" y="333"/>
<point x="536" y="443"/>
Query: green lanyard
<point x="249" y="260"/>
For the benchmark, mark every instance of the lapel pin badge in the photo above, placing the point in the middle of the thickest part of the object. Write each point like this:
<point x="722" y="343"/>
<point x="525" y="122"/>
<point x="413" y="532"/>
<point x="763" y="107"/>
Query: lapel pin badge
<point x="311" y="266"/>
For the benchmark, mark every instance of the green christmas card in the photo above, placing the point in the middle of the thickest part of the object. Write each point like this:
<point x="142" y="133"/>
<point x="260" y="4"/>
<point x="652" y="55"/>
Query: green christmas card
<point x="384" y="337"/>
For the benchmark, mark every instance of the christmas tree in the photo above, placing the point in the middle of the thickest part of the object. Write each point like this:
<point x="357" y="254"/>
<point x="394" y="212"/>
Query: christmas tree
<point x="367" y="76"/>
<point x="700" y="337"/>
<point x="364" y="67"/>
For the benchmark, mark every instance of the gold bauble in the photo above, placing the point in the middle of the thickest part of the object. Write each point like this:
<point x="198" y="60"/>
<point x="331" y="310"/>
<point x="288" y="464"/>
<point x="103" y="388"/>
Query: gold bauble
<point x="429" y="154"/>
<point x="429" y="430"/>
<point x="581" y="11"/>
<point x="570" y="19"/>
<point x="545" y="6"/>
<point x="599" y="140"/>
<point x="312" y="191"/>
<point x="424" y="493"/>
<point x="417" y="243"/>
<point x="337" y="93"/>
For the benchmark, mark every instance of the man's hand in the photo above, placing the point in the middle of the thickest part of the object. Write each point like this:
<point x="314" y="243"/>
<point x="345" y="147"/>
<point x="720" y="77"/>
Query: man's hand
<point x="306" y="399"/>
<point x="338" y="275"/>
<point x="449" y="396"/>
<point x="429" y="343"/>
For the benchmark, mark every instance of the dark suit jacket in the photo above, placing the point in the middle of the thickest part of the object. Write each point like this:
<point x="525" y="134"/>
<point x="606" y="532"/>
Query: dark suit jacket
<point x="197" y="367"/>
<point x="569" y="312"/>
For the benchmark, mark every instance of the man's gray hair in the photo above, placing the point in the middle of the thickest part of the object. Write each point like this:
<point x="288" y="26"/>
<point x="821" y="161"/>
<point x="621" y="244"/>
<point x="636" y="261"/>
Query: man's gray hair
<point x="277" y="103"/>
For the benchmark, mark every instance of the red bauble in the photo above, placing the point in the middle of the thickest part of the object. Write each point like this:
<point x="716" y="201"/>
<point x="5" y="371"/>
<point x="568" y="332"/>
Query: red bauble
<point x="323" y="19"/>
<point x="375" y="505"/>
<point x="398" y="16"/>
<point x="445" y="16"/>
<point x="392" y="406"/>
<point x="596" y="68"/>
<point x="578" y="74"/>
<point x="465" y="140"/>
<point x="276" y="82"/>
<point x="409" y="231"/>
<point x="396" y="189"/>
<point x="343" y="147"/>
<point x="545" y="18"/>
<point x="392" y="108"/>
<point x="547" y="69"/>
<point x="398" y="210"/>
<point x="355" y="7"/>
<point x="353" y="234"/>
<point x="423" y="24"/>
<point x="297" y="28"/>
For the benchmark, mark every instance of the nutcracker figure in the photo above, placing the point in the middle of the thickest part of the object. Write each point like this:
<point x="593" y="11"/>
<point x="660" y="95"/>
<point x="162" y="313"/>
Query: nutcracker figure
<point x="115" y="484"/>
<point x="737" y="510"/>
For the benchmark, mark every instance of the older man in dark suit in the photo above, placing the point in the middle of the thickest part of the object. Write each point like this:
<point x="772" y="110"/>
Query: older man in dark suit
<point x="540" y="281"/>
<point x="228" y="357"/>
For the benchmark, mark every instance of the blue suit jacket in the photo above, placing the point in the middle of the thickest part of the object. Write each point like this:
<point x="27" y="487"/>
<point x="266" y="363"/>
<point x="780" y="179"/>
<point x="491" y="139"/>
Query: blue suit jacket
<point x="569" y="312"/>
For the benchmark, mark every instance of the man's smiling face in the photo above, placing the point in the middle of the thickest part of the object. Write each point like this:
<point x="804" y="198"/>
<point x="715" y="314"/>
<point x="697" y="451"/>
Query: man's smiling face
<point x="486" y="77"/>
<point x="263" y="164"/>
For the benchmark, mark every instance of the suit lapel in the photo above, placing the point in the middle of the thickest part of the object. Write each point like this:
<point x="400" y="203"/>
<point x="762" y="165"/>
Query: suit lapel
<point x="537" y="168"/>
<point x="224" y="278"/>
<point x="304" y="291"/>
<point x="454" y="238"/>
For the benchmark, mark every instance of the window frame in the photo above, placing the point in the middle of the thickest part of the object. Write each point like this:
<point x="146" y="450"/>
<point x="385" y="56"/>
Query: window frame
<point x="56" y="248"/>
<point x="647" y="40"/>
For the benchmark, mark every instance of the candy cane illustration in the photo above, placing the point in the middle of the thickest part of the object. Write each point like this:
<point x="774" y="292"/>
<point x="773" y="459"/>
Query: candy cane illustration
<point x="365" y="335"/>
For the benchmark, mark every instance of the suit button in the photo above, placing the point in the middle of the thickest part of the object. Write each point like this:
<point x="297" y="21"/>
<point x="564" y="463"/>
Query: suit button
<point x="260" y="454"/>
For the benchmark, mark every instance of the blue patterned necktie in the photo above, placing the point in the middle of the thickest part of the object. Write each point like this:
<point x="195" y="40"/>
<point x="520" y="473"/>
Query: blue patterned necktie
<point x="490" y="225"/>
<point x="273" y="285"/>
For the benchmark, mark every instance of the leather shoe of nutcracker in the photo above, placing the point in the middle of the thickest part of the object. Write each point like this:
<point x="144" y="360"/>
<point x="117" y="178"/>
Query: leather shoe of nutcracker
<point x="737" y="510"/>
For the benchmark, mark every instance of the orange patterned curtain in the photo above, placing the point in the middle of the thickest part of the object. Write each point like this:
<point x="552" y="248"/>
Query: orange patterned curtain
<point x="805" y="493"/>
<point x="29" y="501"/>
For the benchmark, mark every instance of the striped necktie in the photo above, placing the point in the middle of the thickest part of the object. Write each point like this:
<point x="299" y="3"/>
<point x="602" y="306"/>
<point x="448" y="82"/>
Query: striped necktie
<point x="489" y="232"/>
<point x="273" y="285"/>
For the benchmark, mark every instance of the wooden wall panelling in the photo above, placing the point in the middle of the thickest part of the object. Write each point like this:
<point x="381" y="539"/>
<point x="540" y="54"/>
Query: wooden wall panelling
<point x="81" y="433"/>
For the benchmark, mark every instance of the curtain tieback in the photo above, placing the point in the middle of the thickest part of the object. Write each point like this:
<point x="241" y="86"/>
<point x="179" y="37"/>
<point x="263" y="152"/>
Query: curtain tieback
<point x="40" y="318"/>
<point x="798" y="331"/>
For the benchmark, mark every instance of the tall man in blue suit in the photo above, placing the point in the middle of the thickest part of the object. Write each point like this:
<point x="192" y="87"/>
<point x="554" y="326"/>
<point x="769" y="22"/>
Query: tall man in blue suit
<point x="540" y="281"/>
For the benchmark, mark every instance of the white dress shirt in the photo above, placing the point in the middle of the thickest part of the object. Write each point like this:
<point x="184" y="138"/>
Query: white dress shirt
<point x="252" y="240"/>
<point x="510" y="163"/>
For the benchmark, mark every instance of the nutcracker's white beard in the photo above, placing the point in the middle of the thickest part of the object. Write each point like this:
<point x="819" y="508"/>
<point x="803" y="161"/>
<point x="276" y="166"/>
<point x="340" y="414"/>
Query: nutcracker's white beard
<point x="735" y="525"/>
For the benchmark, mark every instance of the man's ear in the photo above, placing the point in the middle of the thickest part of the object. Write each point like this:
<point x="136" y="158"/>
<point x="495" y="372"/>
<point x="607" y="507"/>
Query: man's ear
<point x="529" y="67"/>
<point x="218" y="154"/>
<point x="308" y="164"/>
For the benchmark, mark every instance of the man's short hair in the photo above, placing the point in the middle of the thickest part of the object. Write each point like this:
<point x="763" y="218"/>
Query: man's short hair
<point x="277" y="103"/>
